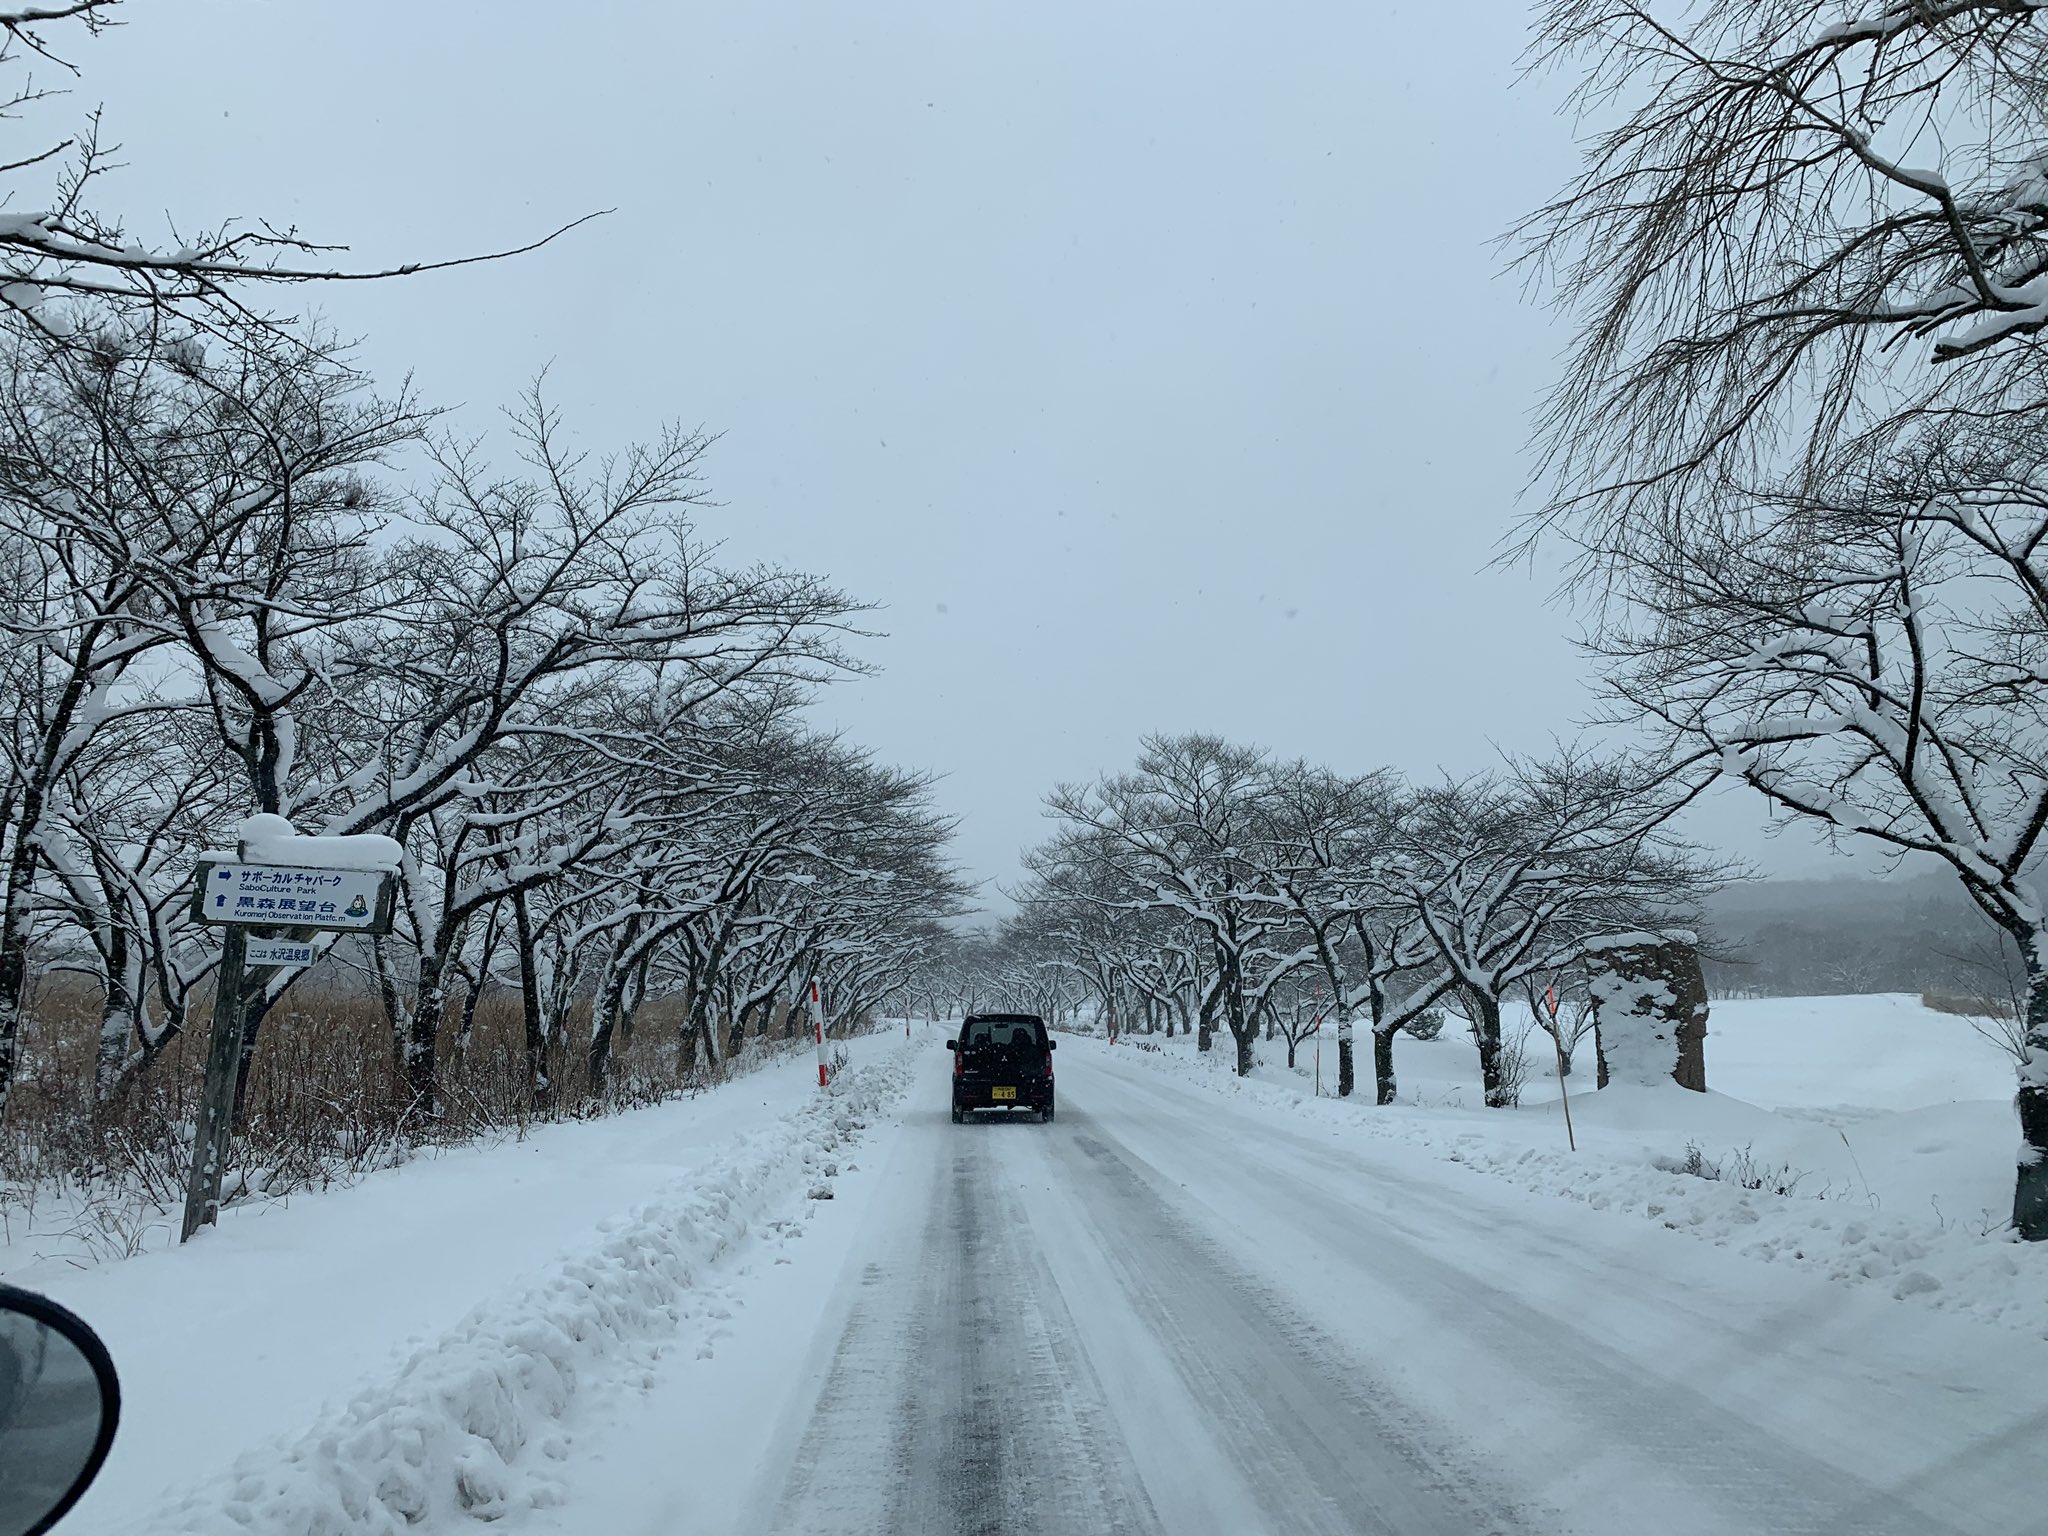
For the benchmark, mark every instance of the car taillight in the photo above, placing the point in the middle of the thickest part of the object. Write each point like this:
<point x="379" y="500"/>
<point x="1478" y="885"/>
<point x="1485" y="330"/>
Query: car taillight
<point x="959" y="1063"/>
<point x="1048" y="1064"/>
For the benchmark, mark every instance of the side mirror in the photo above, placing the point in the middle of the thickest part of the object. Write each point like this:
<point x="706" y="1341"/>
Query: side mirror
<point x="1052" y="1045"/>
<point x="59" y="1403"/>
<point x="952" y="1045"/>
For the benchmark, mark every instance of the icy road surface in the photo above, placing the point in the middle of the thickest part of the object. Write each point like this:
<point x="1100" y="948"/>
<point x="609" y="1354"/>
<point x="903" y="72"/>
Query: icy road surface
<point x="1165" y="1313"/>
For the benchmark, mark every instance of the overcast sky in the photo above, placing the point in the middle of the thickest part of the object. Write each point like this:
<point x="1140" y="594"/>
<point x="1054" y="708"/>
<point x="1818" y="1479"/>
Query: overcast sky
<point x="1150" y="366"/>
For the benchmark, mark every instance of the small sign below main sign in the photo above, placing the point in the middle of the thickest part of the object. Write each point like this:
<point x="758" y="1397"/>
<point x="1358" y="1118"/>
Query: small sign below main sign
<point x="287" y="896"/>
<point x="285" y="952"/>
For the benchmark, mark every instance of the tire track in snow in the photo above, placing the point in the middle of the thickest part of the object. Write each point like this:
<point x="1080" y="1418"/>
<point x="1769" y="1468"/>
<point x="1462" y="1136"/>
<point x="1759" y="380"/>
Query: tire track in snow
<point x="1759" y="1483"/>
<point x="956" y="1403"/>
<point x="1742" y="1478"/>
<point x="1316" y="1439"/>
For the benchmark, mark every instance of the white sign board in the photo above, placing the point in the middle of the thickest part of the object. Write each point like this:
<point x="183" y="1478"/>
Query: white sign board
<point x="296" y="954"/>
<point x="287" y="896"/>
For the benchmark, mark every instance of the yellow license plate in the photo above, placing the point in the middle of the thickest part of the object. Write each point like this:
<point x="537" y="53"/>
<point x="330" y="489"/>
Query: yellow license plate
<point x="1002" y="1093"/>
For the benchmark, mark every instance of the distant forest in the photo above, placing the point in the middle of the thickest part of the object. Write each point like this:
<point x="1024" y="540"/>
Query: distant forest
<point x="1792" y="938"/>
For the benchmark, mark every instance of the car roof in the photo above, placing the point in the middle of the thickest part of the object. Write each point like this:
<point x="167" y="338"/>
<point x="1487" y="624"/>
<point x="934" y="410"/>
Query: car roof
<point x="1003" y="1018"/>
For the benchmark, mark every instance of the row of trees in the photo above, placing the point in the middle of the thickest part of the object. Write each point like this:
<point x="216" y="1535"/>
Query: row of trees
<point x="240" y="582"/>
<point x="1214" y="888"/>
<point x="236" y="579"/>
<point x="1798" y="454"/>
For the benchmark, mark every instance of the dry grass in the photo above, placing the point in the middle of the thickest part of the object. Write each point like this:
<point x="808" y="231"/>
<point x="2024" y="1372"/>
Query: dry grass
<point x="1969" y="1005"/>
<point x="324" y="1106"/>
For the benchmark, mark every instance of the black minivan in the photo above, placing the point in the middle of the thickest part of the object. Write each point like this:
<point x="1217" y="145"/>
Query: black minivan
<point x="1002" y="1061"/>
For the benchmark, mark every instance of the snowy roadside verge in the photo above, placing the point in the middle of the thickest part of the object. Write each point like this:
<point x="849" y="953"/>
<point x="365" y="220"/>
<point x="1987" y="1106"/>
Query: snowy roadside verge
<point x="1625" y="1166"/>
<point x="472" y="1425"/>
<point x="64" y="1223"/>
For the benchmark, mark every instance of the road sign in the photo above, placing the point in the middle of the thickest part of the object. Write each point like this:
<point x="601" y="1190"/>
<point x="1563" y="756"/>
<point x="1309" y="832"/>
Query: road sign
<point x="289" y="896"/>
<point x="239" y="896"/>
<point x="296" y="953"/>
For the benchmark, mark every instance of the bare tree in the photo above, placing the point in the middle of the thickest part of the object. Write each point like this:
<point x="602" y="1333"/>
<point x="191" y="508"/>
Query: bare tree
<point x="1181" y="831"/>
<point x="118" y="844"/>
<point x="1871" y="657"/>
<point x="1563" y="1009"/>
<point x="68" y="270"/>
<point x="1512" y="875"/>
<point x="1802" y="226"/>
<point x="1330" y="843"/>
<point x="77" y="613"/>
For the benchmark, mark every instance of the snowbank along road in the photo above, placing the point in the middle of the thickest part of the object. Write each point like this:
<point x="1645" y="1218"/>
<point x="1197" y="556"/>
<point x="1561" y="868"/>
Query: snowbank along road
<point x="1167" y="1312"/>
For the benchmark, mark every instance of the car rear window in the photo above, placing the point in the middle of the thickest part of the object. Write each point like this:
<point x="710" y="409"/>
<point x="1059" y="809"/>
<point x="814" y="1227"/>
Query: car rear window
<point x="1014" y="1033"/>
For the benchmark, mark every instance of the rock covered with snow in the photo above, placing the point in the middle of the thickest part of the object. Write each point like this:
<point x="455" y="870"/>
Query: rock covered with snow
<point x="266" y="839"/>
<point x="1650" y="1010"/>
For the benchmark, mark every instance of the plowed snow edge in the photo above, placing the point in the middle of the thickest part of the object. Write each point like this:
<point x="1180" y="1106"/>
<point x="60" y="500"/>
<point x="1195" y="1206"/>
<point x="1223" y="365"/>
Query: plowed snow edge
<point x="470" y="1427"/>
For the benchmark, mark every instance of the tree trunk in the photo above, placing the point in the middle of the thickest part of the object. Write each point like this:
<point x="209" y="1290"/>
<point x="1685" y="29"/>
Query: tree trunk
<point x="1383" y="1066"/>
<point x="597" y="1064"/>
<point x="604" y="1023"/>
<point x="705" y="1034"/>
<point x="14" y="930"/>
<point x="1486" y="1030"/>
<point x="387" y="997"/>
<point x="1346" y="1079"/>
<point x="1244" y="1027"/>
<point x="472" y="993"/>
<point x="117" y="1029"/>
<point x="2030" y="1184"/>
<point x="423" y="1036"/>
<point x="703" y="986"/>
<point x="634" y="995"/>
<point x="256" y="1005"/>
<point x="540" y="1084"/>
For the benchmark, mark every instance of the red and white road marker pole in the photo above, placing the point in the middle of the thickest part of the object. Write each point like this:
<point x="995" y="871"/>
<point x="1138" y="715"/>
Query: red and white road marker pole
<point x="1563" y="1093"/>
<point x="1319" y="1039"/>
<point x="818" y="1029"/>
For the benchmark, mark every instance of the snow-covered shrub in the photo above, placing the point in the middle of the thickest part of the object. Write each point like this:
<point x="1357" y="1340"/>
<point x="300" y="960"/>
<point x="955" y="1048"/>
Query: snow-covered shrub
<point x="1514" y="1067"/>
<point x="1426" y="1025"/>
<point x="1742" y="1169"/>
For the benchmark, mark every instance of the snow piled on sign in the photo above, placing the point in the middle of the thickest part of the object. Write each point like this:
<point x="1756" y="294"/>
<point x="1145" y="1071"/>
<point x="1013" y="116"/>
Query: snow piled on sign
<point x="266" y="839"/>
<point x="473" y="1424"/>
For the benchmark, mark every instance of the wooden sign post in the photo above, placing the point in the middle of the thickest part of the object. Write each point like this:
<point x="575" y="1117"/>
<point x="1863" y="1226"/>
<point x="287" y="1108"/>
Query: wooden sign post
<point x="237" y="897"/>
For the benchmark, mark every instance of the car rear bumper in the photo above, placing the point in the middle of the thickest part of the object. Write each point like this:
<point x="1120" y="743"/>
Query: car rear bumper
<point x="982" y="1096"/>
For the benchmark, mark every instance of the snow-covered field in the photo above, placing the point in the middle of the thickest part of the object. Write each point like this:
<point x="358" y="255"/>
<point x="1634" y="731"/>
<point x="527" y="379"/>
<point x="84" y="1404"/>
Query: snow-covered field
<point x="1891" y="1124"/>
<point x="1190" y="1304"/>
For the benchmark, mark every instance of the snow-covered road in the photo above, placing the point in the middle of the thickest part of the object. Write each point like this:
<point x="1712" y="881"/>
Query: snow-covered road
<point x="1169" y="1312"/>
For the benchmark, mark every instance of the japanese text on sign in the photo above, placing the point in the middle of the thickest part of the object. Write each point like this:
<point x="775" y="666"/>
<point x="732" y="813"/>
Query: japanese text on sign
<point x="282" y="896"/>
<point x="295" y="954"/>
